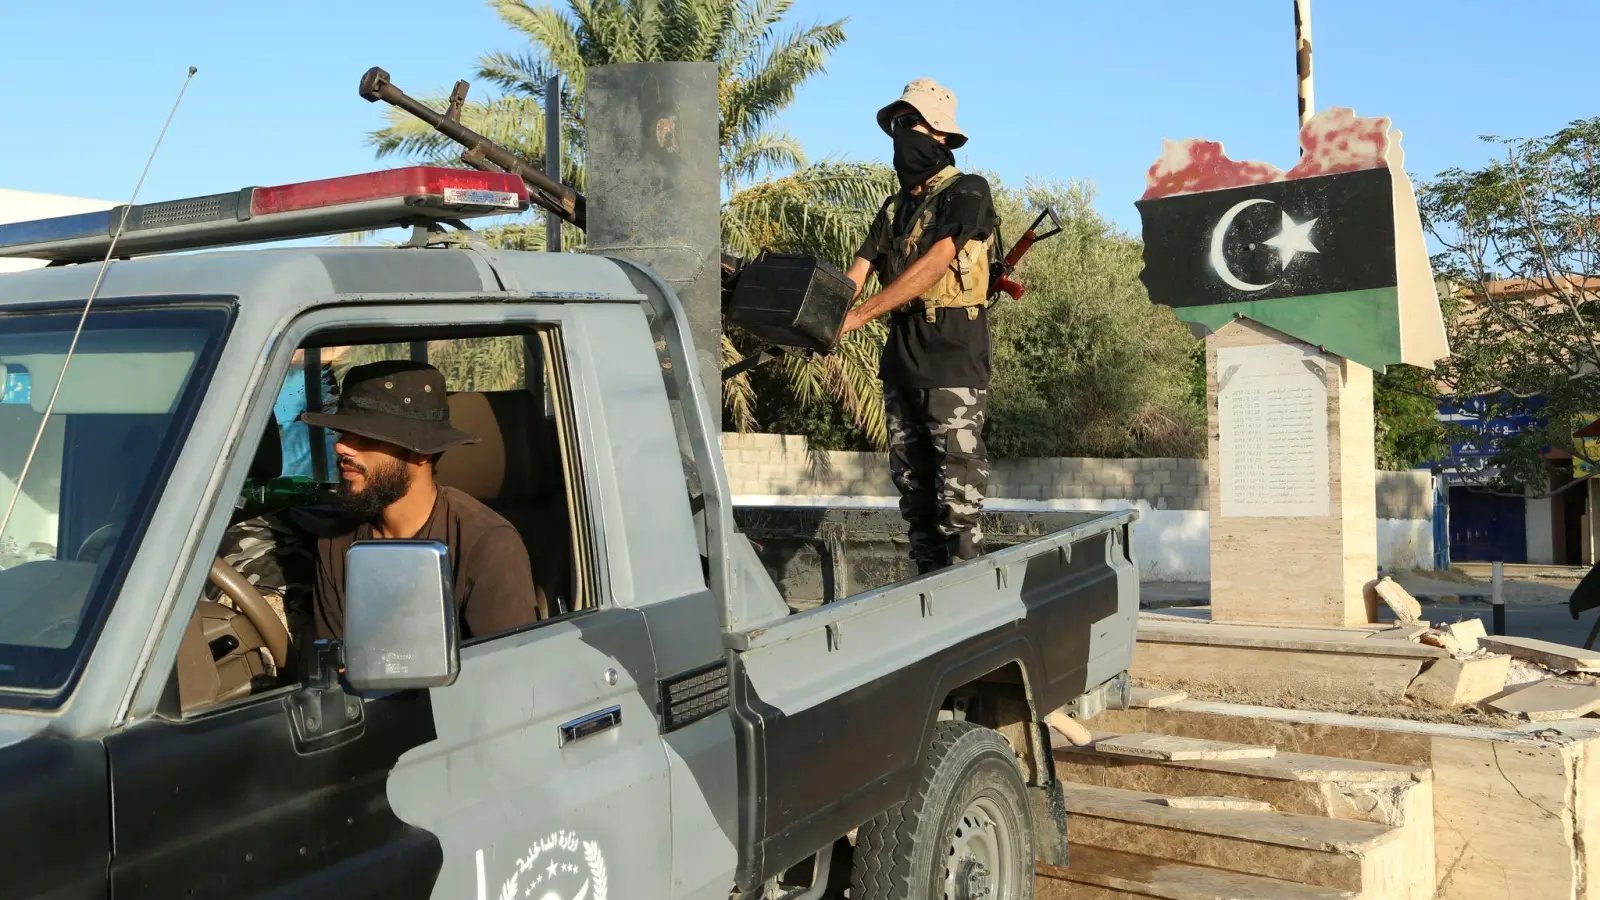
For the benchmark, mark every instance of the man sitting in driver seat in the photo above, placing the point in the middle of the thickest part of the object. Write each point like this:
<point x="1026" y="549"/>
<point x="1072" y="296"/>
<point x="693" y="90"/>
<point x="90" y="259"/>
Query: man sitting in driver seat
<point x="393" y="421"/>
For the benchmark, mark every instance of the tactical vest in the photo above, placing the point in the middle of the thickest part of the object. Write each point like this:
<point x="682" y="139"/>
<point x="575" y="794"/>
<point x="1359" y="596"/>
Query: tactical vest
<point x="966" y="283"/>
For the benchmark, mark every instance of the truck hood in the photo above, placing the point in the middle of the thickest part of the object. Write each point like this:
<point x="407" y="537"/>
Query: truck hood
<point x="14" y="732"/>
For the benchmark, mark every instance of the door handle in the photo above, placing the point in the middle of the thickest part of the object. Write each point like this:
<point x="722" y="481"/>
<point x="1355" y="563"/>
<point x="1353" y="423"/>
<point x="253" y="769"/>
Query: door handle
<point x="593" y="723"/>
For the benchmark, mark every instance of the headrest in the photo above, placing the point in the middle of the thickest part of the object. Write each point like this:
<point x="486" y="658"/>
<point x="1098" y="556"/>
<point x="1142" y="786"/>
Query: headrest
<point x="268" y="461"/>
<point x="504" y="463"/>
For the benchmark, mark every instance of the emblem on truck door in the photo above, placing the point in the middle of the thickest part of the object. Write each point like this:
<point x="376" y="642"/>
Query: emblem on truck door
<point x="560" y="867"/>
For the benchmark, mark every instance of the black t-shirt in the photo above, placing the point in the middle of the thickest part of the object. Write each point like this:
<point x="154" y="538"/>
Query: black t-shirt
<point x="954" y="350"/>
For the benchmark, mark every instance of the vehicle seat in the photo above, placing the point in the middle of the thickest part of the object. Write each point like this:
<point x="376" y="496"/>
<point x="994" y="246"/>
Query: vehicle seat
<point x="515" y="470"/>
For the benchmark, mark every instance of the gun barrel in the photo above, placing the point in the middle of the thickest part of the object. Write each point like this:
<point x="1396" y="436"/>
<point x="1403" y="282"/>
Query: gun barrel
<point x="547" y="192"/>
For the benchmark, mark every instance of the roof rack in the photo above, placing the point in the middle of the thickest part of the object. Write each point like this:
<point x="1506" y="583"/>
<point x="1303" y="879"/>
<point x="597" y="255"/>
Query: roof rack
<point x="415" y="195"/>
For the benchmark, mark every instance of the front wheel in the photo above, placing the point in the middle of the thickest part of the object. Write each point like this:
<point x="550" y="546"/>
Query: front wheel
<point x="966" y="833"/>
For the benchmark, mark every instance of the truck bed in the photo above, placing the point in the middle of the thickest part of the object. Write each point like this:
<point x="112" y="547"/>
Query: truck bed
<point x="845" y="694"/>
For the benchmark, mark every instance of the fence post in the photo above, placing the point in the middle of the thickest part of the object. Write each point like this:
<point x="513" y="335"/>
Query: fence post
<point x="1498" y="598"/>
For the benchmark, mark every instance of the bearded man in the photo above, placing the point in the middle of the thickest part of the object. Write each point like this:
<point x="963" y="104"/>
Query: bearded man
<point x="393" y="424"/>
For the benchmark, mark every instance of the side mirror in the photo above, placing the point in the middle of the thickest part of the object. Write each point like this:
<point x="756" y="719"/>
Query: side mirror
<point x="399" y="616"/>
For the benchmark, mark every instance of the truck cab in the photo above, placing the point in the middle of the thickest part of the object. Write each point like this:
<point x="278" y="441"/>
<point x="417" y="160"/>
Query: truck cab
<point x="668" y="727"/>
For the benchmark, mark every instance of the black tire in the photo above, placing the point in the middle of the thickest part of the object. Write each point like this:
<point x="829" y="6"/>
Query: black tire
<point x="908" y="852"/>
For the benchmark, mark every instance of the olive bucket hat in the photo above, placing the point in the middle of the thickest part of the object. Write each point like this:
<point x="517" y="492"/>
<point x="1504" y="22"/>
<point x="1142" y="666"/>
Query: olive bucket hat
<point x="398" y="402"/>
<point x="935" y="103"/>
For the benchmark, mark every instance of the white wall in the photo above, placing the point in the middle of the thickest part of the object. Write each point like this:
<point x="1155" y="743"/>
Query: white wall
<point x="1169" y="544"/>
<point x="1405" y="544"/>
<point x="21" y="206"/>
<point x="1540" y="529"/>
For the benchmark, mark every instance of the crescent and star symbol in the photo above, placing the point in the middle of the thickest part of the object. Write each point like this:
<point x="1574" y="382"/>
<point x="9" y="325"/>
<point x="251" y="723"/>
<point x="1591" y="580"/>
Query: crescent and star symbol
<point x="1293" y="239"/>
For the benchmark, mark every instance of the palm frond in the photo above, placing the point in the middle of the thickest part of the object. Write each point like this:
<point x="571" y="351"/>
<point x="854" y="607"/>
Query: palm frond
<point x="738" y="394"/>
<point x="694" y="29"/>
<point x="767" y="84"/>
<point x="554" y="34"/>
<point x="765" y="153"/>
<point x="746" y="30"/>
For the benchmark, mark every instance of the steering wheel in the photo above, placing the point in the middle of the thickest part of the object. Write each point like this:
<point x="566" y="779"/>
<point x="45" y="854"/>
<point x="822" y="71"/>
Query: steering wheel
<point x="255" y="608"/>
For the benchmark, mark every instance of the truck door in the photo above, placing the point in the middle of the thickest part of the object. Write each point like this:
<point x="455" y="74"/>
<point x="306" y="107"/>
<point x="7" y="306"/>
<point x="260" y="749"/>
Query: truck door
<point x="539" y="773"/>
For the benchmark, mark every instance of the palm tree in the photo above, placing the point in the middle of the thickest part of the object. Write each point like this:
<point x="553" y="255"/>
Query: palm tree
<point x="774" y="197"/>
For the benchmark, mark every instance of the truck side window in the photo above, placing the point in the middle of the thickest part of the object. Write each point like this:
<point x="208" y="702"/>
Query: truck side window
<point x="508" y="390"/>
<point x="680" y="428"/>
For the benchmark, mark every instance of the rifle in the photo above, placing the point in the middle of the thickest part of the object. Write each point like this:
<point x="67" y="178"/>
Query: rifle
<point x="1000" y="271"/>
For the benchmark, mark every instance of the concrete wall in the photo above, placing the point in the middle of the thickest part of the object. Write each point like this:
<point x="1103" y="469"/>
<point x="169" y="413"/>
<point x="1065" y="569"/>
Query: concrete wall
<point x="20" y="206"/>
<point x="1172" y="541"/>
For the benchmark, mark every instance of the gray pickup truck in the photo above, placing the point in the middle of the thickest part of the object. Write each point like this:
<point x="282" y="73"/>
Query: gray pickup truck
<point x="672" y="728"/>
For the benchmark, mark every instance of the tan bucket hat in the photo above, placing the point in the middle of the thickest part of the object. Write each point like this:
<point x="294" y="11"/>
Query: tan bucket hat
<point x="935" y="103"/>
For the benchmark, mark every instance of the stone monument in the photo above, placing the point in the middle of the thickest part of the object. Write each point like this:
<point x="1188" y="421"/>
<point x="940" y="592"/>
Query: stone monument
<point x="1304" y="283"/>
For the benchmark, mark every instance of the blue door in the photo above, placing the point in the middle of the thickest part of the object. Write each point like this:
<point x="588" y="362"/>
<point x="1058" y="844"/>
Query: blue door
<point x="1487" y="527"/>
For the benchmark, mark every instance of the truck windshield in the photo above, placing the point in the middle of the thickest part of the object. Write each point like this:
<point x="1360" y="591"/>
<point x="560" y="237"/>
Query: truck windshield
<point x="103" y="455"/>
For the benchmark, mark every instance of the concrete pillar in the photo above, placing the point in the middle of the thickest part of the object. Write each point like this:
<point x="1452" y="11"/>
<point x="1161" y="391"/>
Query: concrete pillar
<point x="653" y="181"/>
<point x="1294" y="518"/>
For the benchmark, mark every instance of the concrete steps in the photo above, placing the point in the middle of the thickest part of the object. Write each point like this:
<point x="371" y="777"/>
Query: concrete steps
<point x="1335" y="828"/>
<point x="1360" y="857"/>
<point x="1292" y="782"/>
<point x="1099" y="874"/>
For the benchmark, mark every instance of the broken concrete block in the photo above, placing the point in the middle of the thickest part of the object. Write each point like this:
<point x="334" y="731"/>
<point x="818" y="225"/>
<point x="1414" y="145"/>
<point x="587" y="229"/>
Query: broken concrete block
<point x="1177" y="749"/>
<point x="1557" y="656"/>
<point x="1406" y="608"/>
<point x="1550" y="700"/>
<point x="1214" y="803"/>
<point x="1450" y="683"/>
<point x="1154" y="698"/>
<point x="1521" y="673"/>
<point x="1442" y="641"/>
<point x="1467" y="633"/>
<point x="1401" y="633"/>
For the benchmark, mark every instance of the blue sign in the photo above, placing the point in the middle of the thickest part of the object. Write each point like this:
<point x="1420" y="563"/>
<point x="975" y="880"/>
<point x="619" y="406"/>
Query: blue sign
<point x="1470" y="454"/>
<point x="18" y="386"/>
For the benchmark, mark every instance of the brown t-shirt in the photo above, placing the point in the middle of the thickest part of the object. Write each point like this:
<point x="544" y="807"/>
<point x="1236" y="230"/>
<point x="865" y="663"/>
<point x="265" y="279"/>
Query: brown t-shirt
<point x="494" y="589"/>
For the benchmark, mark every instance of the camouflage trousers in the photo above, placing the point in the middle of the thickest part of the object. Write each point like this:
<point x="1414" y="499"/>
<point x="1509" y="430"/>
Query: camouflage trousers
<point x="938" y="462"/>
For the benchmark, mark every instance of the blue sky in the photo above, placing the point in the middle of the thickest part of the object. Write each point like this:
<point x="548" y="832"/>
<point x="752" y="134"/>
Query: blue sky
<point x="1050" y="90"/>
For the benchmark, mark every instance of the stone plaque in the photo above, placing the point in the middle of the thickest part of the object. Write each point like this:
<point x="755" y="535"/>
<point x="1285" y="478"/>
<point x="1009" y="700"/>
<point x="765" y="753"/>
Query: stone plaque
<point x="1272" y="418"/>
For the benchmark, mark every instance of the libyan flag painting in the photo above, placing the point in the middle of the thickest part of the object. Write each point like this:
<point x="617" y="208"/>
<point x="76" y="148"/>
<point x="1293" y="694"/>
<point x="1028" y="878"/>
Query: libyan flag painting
<point x="1330" y="252"/>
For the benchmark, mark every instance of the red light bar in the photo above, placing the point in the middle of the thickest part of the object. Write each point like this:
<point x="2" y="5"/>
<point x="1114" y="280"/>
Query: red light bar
<point x="463" y="187"/>
<point x="394" y="197"/>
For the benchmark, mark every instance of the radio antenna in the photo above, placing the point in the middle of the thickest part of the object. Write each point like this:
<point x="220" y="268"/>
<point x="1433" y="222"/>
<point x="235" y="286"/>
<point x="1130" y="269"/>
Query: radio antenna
<point x="88" y="304"/>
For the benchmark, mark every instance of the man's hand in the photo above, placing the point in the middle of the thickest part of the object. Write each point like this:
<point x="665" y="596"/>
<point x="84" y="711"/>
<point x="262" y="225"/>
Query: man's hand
<point x="921" y="275"/>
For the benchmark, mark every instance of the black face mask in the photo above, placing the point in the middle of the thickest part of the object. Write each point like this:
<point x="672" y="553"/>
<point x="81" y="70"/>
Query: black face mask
<point x="918" y="157"/>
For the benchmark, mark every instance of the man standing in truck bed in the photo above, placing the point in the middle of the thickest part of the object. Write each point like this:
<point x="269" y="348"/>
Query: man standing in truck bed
<point x="930" y="245"/>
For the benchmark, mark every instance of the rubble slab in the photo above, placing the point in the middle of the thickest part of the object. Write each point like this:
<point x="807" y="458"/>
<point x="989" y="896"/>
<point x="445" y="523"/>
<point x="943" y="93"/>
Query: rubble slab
<point x="1169" y="747"/>
<point x="1213" y="803"/>
<point x="1467" y="632"/>
<point x="1550" y="700"/>
<point x="1556" y="656"/>
<point x="1154" y="698"/>
<point x="1406" y="608"/>
<point x="1449" y="683"/>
